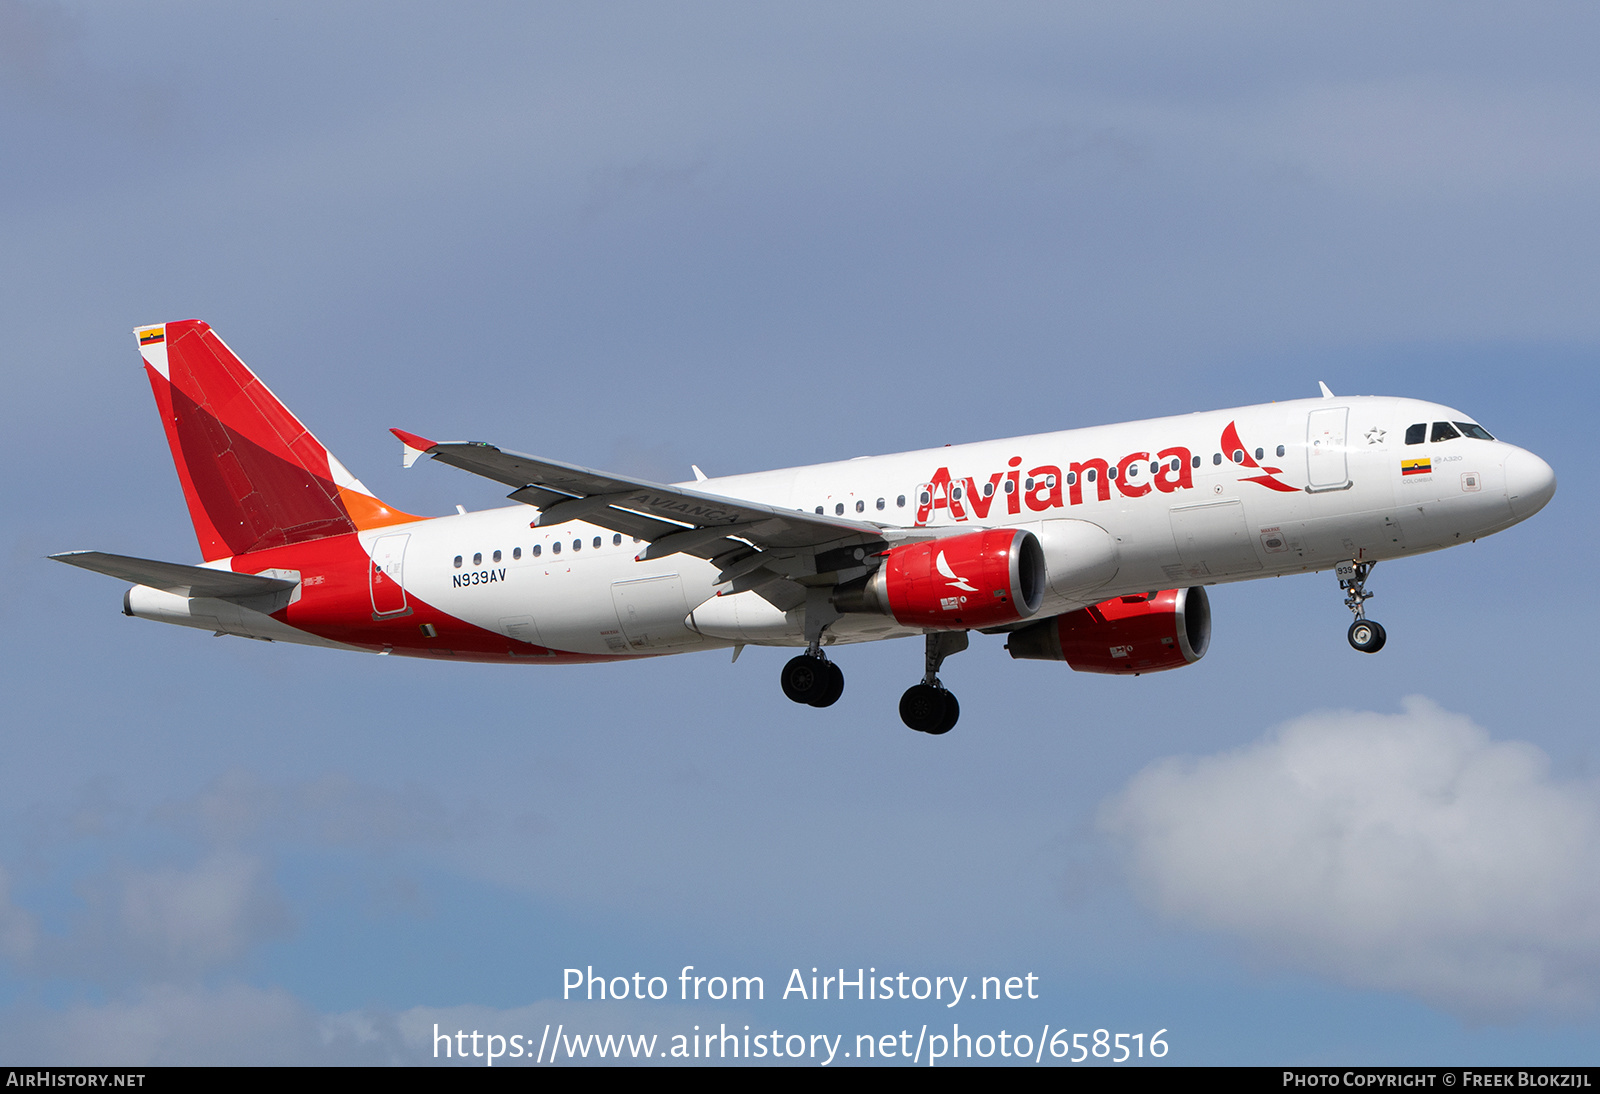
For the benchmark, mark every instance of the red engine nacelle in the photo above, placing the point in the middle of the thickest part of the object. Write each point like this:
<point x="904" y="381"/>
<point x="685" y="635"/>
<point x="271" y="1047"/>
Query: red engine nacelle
<point x="1125" y="635"/>
<point x="982" y="579"/>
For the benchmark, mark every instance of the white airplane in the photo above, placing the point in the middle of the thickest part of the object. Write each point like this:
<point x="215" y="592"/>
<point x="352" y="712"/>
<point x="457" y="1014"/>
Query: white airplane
<point x="1089" y="546"/>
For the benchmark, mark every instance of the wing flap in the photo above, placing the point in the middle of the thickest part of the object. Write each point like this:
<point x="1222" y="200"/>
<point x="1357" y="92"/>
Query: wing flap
<point x="175" y="577"/>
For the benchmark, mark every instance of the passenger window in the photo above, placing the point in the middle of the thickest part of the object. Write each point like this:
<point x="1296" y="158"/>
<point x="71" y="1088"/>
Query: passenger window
<point x="516" y="553"/>
<point x="1089" y="475"/>
<point x="596" y="543"/>
<point x="537" y="550"/>
<point x="1238" y="455"/>
<point x="861" y="507"/>
<point x="1280" y="450"/>
<point x="458" y="562"/>
<point x="1177" y="464"/>
<point x="925" y="498"/>
<point x="838" y="509"/>
<point x="616" y="540"/>
<point x="1443" y="431"/>
<point x="1416" y="434"/>
<point x="555" y="548"/>
<point x="880" y="505"/>
<point x="988" y="489"/>
<point x="1050" y="481"/>
<point x="497" y="556"/>
<point x="1011" y="487"/>
<point x="1027" y="484"/>
<point x="1216" y="459"/>
<point x="900" y="502"/>
<point x="1194" y="461"/>
<point x="1260" y="454"/>
<point x="1155" y="468"/>
<point x="1111" y="472"/>
<point x="1476" y="432"/>
<point x="477" y="558"/>
<point x="819" y="510"/>
<point x="1072" y="478"/>
<point x="577" y="545"/>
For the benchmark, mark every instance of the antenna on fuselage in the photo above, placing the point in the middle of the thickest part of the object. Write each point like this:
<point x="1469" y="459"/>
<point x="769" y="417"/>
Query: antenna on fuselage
<point x="1326" y="394"/>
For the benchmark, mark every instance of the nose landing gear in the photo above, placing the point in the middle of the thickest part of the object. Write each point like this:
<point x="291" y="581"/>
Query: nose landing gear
<point x="927" y="707"/>
<point x="1366" y="635"/>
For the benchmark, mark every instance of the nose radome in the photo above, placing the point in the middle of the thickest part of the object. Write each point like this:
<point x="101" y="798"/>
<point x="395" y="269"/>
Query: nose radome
<point x="1530" y="483"/>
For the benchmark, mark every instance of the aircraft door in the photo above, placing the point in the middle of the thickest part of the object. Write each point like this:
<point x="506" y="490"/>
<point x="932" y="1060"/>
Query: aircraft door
<point x="1326" y="460"/>
<point x="386" y="575"/>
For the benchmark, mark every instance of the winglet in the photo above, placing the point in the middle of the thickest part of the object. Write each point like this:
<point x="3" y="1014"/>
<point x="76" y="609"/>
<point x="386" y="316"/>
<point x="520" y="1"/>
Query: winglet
<point x="699" y="475"/>
<point x="1326" y="394"/>
<point x="412" y="446"/>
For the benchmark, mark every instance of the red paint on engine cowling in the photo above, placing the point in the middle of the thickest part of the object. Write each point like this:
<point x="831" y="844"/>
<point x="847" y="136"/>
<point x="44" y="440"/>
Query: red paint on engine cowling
<point x="984" y="579"/>
<point x="1123" y="636"/>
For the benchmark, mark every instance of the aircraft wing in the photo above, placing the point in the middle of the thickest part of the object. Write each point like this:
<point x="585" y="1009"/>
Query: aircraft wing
<point x="175" y="577"/>
<point x="752" y="543"/>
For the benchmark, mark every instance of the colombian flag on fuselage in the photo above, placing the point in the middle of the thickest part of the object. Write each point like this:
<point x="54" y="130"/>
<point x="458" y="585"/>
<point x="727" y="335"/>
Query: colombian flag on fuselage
<point x="1424" y="466"/>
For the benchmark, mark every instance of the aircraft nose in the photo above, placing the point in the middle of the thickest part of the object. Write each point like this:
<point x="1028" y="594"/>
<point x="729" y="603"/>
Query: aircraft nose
<point x="1530" y="483"/>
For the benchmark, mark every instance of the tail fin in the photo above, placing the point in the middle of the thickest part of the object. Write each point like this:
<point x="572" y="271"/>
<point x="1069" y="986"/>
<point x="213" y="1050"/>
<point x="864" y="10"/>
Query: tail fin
<point x="253" y="476"/>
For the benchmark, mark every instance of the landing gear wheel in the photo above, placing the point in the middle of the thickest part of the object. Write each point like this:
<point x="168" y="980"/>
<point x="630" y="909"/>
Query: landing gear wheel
<point x="806" y="679"/>
<point x="832" y="685"/>
<point x="952" y="714"/>
<point x="928" y="709"/>
<point x="1367" y="636"/>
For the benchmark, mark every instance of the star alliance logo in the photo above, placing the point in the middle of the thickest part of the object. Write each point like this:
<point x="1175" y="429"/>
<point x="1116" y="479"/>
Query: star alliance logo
<point x="1375" y="435"/>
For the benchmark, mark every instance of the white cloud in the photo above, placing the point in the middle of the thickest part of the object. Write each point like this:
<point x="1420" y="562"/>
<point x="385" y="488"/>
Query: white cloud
<point x="234" y="1023"/>
<point x="167" y="1024"/>
<point x="198" y="918"/>
<point x="1406" y="852"/>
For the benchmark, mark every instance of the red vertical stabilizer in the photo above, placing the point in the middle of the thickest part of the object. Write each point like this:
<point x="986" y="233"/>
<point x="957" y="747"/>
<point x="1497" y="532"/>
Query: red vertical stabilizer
<point x="253" y="476"/>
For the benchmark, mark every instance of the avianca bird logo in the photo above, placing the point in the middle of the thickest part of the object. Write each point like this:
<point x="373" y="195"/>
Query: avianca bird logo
<point x="956" y="581"/>
<point x="1237" y="452"/>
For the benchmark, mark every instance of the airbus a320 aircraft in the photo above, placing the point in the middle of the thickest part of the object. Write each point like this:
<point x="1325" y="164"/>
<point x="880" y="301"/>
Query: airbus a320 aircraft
<point x="1089" y="546"/>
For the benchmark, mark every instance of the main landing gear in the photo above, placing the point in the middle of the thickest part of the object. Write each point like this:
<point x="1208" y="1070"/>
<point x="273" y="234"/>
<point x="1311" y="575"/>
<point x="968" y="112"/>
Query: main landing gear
<point x="927" y="707"/>
<point x="1365" y="634"/>
<point x="812" y="679"/>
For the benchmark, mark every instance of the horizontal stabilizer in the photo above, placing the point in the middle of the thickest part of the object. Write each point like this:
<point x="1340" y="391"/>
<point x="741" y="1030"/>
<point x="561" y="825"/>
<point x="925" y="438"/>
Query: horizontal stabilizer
<point x="175" y="577"/>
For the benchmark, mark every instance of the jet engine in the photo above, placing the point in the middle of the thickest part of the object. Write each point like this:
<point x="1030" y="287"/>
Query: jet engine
<point x="1123" y="636"/>
<point x="981" y="579"/>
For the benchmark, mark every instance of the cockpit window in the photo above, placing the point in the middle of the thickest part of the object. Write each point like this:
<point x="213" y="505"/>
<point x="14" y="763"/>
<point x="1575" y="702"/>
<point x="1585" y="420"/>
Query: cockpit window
<point x="1476" y="432"/>
<point x="1416" y="434"/>
<point x="1443" y="431"/>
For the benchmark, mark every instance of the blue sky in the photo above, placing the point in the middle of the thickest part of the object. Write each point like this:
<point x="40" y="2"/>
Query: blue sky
<point x="635" y="237"/>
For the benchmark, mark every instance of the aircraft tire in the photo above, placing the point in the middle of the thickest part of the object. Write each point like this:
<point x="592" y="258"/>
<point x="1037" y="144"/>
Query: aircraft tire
<point x="952" y="714"/>
<point x="806" y="679"/>
<point x="1367" y="636"/>
<point x="924" y="708"/>
<point x="833" y="685"/>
